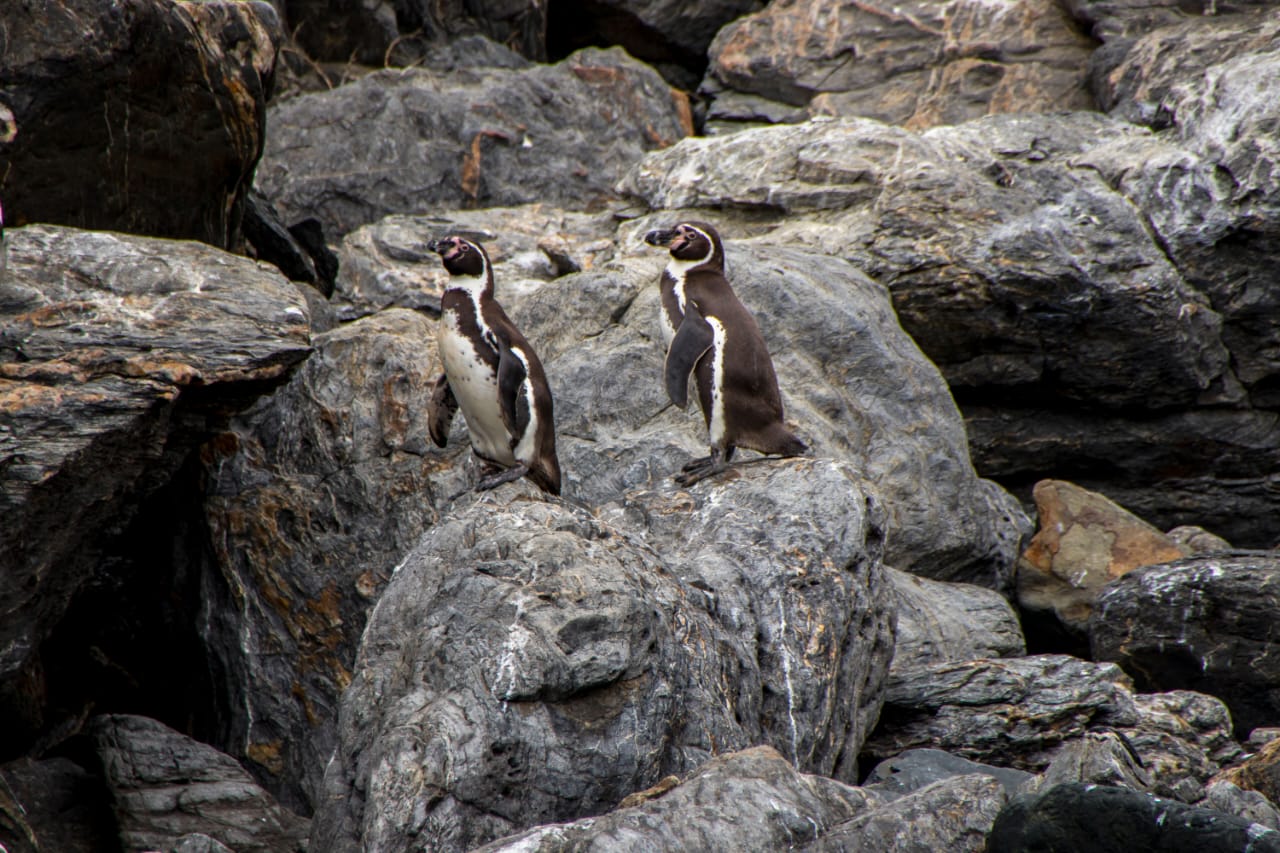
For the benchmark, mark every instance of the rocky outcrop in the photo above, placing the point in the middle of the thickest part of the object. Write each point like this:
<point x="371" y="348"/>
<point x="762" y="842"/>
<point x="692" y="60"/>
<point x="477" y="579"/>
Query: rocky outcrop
<point x="54" y="804"/>
<point x="498" y="664"/>
<point x="1019" y="712"/>
<point x="314" y="495"/>
<point x="1204" y="623"/>
<point x="1116" y="820"/>
<point x="120" y="356"/>
<point x="917" y="64"/>
<point x="560" y="133"/>
<point x="1259" y="772"/>
<point x="165" y="787"/>
<point x="143" y="116"/>
<point x="1012" y="247"/>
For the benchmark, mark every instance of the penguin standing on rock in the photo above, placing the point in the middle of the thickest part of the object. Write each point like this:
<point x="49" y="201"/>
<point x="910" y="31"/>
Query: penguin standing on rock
<point x="491" y="373"/>
<point x="712" y="335"/>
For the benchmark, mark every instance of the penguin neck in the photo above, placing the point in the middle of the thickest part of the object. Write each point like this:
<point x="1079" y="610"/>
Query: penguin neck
<point x="679" y="271"/>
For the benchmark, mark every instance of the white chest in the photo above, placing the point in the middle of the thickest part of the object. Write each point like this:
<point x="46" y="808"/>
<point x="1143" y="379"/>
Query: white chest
<point x="475" y="386"/>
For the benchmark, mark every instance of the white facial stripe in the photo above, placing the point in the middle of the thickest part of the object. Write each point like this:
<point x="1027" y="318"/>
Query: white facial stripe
<point x="717" y="428"/>
<point x="473" y="286"/>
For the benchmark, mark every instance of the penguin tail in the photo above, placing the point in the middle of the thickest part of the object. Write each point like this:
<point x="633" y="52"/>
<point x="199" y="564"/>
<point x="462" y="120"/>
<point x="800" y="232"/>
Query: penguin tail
<point x="545" y="477"/>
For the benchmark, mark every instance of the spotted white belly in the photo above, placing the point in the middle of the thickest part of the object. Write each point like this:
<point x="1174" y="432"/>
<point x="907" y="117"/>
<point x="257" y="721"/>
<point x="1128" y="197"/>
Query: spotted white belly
<point x="476" y="389"/>
<point x="716" y="428"/>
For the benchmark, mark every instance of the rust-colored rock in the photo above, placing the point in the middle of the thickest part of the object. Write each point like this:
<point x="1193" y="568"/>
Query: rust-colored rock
<point x="1084" y="542"/>
<point x="1261" y="772"/>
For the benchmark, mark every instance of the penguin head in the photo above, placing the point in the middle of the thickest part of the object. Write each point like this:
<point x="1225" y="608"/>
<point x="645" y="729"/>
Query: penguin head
<point x="460" y="256"/>
<point x="692" y="242"/>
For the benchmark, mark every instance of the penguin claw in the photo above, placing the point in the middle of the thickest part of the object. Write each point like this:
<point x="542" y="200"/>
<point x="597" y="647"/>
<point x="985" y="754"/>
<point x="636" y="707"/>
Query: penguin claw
<point x="693" y="464"/>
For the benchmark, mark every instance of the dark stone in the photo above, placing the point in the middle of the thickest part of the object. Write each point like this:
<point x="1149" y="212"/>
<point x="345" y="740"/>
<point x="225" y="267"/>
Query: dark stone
<point x="144" y="116"/>
<point x="56" y="806"/>
<point x="916" y="768"/>
<point x="1074" y="817"/>
<point x="1208" y="623"/>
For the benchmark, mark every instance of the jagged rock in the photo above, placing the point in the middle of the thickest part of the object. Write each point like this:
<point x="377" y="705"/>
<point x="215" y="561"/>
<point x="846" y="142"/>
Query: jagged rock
<point x="1226" y="797"/>
<point x="917" y="768"/>
<point x="1139" y="85"/>
<point x="1019" y="712"/>
<point x="918" y="64"/>
<point x="314" y="495"/>
<point x="529" y="663"/>
<point x="414" y="141"/>
<point x="953" y="814"/>
<point x="1259" y="772"/>
<point x="1118" y="820"/>
<point x="53" y="805"/>
<point x="749" y="800"/>
<point x="119" y="356"/>
<point x="980" y="230"/>
<point x="387" y="263"/>
<point x="1208" y="184"/>
<point x="856" y="387"/>
<point x="1204" y="623"/>
<point x="1122" y="20"/>
<point x="143" y="116"/>
<point x="1097" y="758"/>
<point x="1084" y="542"/>
<point x="166" y="786"/>
<point x="940" y="621"/>
<point x="1012" y="712"/>
<point x="1183" y="739"/>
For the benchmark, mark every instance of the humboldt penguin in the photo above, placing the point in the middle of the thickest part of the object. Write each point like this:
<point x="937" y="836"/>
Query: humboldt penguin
<point x="713" y="336"/>
<point x="492" y="374"/>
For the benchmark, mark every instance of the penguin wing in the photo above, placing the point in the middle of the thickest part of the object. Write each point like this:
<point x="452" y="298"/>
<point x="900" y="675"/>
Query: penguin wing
<point x="513" y="374"/>
<point x="440" y="411"/>
<point x="692" y="340"/>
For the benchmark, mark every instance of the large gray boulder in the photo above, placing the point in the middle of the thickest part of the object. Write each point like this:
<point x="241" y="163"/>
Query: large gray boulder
<point x="529" y="663"/>
<point x="144" y="116"/>
<point x="853" y="383"/>
<point x="313" y="496"/>
<point x="120" y="356"/>
<point x="413" y="141"/>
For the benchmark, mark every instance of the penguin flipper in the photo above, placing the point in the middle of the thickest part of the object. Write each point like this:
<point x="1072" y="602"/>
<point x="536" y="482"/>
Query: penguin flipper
<point x="692" y="340"/>
<point x="513" y="373"/>
<point x="440" y="411"/>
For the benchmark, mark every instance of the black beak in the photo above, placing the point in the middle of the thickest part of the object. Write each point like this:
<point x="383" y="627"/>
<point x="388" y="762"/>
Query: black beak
<point x="660" y="237"/>
<point x="436" y="246"/>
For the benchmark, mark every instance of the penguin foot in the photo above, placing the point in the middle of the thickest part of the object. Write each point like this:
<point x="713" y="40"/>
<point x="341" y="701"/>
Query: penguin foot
<point x="700" y="469"/>
<point x="494" y="480"/>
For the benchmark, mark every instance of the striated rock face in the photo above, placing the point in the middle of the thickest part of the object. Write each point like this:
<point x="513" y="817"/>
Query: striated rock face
<point x="1259" y="773"/>
<point x="918" y="64"/>
<point x="749" y="800"/>
<point x="1020" y="712"/>
<point x="499" y="664"/>
<point x="120" y="356"/>
<point x="313" y="496"/>
<point x="1204" y="623"/>
<point x="940" y="621"/>
<point x="1084" y="541"/>
<point x="143" y="116"/>
<point x="165" y="787"/>
<point x="1020" y="255"/>
<point x="562" y="133"/>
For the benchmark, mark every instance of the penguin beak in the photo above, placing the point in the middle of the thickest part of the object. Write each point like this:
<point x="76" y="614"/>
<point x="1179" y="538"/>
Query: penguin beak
<point x="662" y="237"/>
<point x="436" y="246"/>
